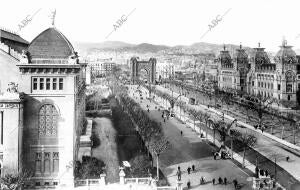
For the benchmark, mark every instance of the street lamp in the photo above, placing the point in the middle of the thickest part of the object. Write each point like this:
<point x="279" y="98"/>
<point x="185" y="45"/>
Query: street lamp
<point x="275" y="172"/>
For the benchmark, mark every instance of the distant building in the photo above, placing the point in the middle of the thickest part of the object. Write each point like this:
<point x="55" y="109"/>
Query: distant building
<point x="101" y="67"/>
<point x="209" y="69"/>
<point x="164" y="70"/>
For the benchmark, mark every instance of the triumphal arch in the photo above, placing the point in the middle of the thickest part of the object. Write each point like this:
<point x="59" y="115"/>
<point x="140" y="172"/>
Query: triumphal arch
<point x="138" y="65"/>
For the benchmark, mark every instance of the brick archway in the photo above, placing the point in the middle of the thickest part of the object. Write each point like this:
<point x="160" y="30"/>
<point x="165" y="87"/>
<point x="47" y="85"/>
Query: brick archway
<point x="137" y="66"/>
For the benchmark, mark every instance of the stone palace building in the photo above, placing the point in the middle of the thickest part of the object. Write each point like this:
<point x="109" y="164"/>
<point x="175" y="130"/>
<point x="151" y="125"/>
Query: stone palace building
<point x="261" y="75"/>
<point x="42" y="107"/>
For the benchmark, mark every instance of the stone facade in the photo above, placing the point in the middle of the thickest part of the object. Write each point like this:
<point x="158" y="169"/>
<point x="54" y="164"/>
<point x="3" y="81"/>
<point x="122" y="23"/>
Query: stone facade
<point x="137" y="65"/>
<point x="233" y="71"/>
<point x="258" y="74"/>
<point x="53" y="107"/>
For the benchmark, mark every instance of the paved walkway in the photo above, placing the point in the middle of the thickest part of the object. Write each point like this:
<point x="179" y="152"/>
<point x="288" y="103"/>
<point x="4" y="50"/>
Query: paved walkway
<point x="187" y="150"/>
<point x="268" y="148"/>
<point x="107" y="151"/>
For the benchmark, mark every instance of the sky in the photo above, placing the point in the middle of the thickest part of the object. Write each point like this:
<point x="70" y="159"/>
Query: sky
<point x="166" y="22"/>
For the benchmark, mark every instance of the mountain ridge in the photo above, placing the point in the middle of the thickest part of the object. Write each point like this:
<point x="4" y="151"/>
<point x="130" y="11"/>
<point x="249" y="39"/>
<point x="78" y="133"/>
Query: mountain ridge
<point x="195" y="48"/>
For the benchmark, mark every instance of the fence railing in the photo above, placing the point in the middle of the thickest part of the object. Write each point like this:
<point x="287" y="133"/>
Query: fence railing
<point x="166" y="188"/>
<point x="88" y="182"/>
<point x="138" y="180"/>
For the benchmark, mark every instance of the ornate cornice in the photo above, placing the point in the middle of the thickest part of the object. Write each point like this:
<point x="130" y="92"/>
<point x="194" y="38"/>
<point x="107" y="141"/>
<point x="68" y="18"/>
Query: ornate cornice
<point x="53" y="69"/>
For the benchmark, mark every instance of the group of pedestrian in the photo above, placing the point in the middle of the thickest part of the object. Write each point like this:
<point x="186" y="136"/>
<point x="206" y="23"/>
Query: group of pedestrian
<point x="222" y="155"/>
<point x="261" y="172"/>
<point x="220" y="181"/>
<point x="189" y="169"/>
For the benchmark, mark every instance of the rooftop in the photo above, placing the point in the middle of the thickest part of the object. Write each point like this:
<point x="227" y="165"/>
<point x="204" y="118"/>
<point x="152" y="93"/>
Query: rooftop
<point x="50" y="44"/>
<point x="11" y="36"/>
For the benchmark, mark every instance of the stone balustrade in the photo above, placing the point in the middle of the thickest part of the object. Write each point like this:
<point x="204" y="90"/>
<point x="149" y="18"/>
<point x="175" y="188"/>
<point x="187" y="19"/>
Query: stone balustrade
<point x="90" y="182"/>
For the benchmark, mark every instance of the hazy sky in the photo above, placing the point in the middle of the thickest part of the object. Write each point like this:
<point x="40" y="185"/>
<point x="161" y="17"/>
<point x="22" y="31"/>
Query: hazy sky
<point x="168" y="22"/>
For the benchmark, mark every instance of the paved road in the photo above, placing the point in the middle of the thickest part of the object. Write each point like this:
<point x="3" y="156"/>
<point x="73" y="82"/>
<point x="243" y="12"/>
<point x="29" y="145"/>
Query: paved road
<point x="265" y="150"/>
<point x="189" y="149"/>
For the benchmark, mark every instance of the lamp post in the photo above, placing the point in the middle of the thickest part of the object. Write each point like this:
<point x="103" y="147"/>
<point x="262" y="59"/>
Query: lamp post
<point x="275" y="172"/>
<point x="157" y="167"/>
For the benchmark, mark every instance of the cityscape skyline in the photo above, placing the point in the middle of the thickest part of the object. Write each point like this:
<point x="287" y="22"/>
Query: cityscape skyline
<point x="168" y="23"/>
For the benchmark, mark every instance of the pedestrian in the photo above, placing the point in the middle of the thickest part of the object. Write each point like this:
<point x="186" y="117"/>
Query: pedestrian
<point x="261" y="172"/>
<point x="189" y="170"/>
<point x="202" y="180"/>
<point x="287" y="158"/>
<point x="215" y="156"/>
<point x="225" y="180"/>
<point x="256" y="172"/>
<point x="181" y="133"/>
<point x="193" y="167"/>
<point x="235" y="183"/>
<point x="188" y="184"/>
<point x="178" y="174"/>
<point x="220" y="180"/>
<point x="213" y="181"/>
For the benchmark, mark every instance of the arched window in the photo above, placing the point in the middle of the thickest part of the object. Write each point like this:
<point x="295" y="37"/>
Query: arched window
<point x="48" y="117"/>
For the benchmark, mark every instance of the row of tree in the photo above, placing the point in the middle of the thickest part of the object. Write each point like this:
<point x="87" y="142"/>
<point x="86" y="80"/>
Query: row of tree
<point x="150" y="130"/>
<point x="256" y="107"/>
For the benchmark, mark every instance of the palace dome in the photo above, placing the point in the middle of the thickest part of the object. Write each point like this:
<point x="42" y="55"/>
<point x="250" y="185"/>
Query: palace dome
<point x="241" y="53"/>
<point x="50" y="44"/>
<point x="285" y="50"/>
<point x="286" y="54"/>
<point x="260" y="56"/>
<point x="224" y="55"/>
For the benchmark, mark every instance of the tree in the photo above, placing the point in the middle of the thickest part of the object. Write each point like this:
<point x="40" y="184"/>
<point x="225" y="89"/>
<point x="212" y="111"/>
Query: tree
<point x="140" y="165"/>
<point x="245" y="140"/>
<point x="89" y="168"/>
<point x="283" y="122"/>
<point x="206" y="118"/>
<point x="158" y="146"/>
<point x="215" y="126"/>
<point x="259" y="104"/>
<point x="95" y="140"/>
<point x="292" y="119"/>
<point x="15" y="180"/>
<point x="274" y="117"/>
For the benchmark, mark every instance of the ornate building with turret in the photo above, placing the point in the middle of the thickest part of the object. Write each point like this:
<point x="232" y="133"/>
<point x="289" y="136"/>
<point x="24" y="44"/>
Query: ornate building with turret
<point x="276" y="78"/>
<point x="259" y="74"/>
<point x="42" y="110"/>
<point x="233" y="71"/>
